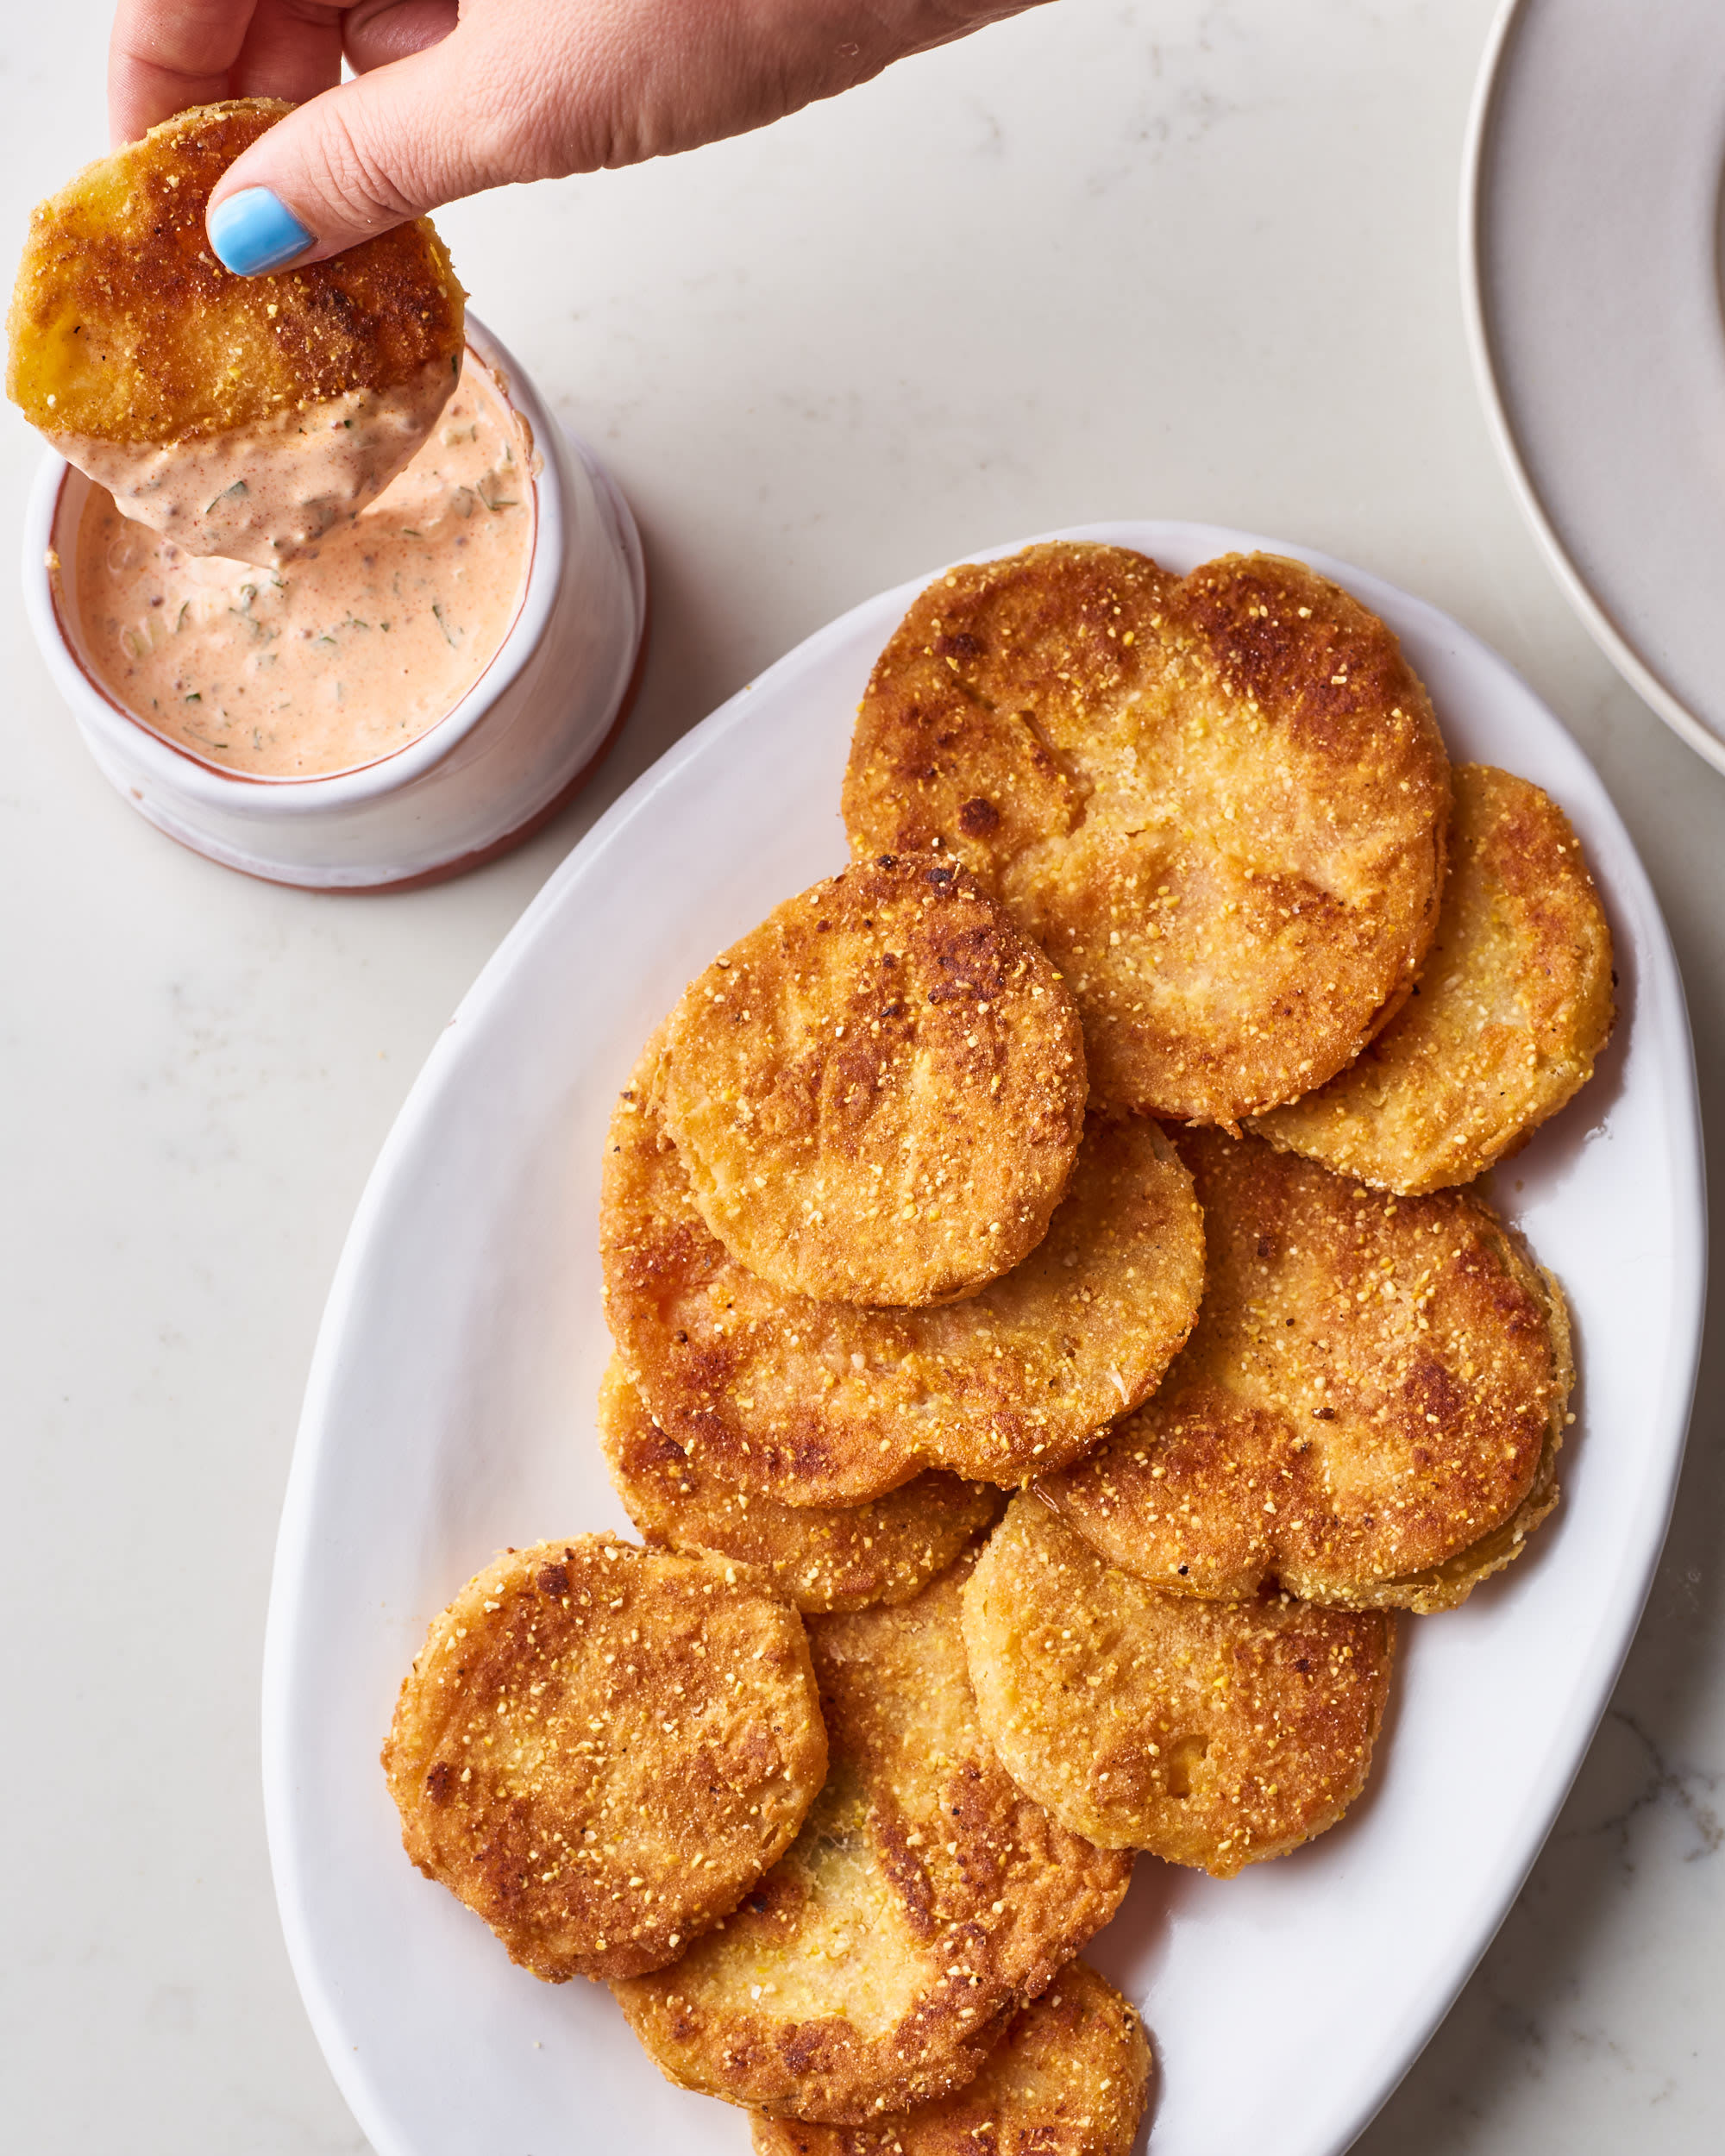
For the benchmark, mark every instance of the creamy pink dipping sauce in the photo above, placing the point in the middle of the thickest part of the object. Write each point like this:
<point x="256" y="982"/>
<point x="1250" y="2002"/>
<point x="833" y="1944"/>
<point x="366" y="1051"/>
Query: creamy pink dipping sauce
<point x="350" y="650"/>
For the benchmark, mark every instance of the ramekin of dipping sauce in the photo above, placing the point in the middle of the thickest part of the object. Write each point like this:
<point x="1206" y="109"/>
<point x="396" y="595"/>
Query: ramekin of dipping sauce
<point x="409" y="696"/>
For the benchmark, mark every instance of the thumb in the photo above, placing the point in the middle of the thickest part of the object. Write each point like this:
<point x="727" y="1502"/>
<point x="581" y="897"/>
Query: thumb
<point x="361" y="158"/>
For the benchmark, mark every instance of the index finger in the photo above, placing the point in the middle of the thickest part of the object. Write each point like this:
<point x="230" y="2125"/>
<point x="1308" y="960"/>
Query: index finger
<point x="166" y="54"/>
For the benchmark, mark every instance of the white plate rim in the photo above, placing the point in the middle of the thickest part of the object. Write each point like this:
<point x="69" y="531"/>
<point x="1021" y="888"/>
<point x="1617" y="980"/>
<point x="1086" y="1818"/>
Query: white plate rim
<point x="1678" y="1081"/>
<point x="1684" y="722"/>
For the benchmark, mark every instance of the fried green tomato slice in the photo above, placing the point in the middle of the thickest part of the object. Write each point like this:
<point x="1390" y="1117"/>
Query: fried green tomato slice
<point x="827" y="1403"/>
<point x="824" y="1557"/>
<point x="1219" y="802"/>
<point x="878" y="1093"/>
<point x="198" y="397"/>
<point x="1070" y="2075"/>
<point x="926" y="1899"/>
<point x="1501" y="1031"/>
<point x="1369" y="1412"/>
<point x="1213" y="1734"/>
<point x="601" y="1748"/>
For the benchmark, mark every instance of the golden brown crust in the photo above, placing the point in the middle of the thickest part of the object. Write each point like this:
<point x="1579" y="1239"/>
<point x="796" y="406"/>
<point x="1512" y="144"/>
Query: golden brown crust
<point x="600" y="1749"/>
<point x="1219" y="802"/>
<point x="821" y="1403"/>
<point x="926" y="1898"/>
<point x="824" y="1557"/>
<point x="1369" y="1411"/>
<point x="877" y="1094"/>
<point x="125" y="328"/>
<point x="1070" y="2076"/>
<point x="1513" y="1005"/>
<point x="1211" y="1733"/>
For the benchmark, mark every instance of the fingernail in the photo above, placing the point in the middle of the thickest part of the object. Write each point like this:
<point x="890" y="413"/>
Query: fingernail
<point x="254" y="232"/>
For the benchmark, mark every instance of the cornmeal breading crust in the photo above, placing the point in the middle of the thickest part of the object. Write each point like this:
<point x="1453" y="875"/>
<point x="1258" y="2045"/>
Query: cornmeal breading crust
<point x="1070" y="2076"/>
<point x="824" y="1557"/>
<point x="600" y="1749"/>
<point x="124" y="326"/>
<point x="877" y="1094"/>
<point x="1369" y="1411"/>
<point x="1513" y="1006"/>
<point x="1213" y="1734"/>
<point x="925" y="1899"/>
<point x="1219" y="802"/>
<point x="822" y="1403"/>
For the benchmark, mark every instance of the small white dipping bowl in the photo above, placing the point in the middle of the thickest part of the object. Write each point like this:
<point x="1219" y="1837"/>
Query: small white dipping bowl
<point x="476" y="782"/>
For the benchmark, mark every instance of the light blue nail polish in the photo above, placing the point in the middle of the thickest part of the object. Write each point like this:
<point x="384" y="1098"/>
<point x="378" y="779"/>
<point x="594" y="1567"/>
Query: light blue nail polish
<point x="254" y="232"/>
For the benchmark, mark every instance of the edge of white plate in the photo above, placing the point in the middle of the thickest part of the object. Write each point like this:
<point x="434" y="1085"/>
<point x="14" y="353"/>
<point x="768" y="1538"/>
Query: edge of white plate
<point x="1661" y="984"/>
<point x="1604" y="631"/>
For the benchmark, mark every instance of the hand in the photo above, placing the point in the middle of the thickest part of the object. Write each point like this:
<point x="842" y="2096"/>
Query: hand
<point x="452" y="98"/>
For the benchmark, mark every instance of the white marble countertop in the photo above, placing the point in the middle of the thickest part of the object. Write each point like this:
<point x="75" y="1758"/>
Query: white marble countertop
<point x="1183" y="258"/>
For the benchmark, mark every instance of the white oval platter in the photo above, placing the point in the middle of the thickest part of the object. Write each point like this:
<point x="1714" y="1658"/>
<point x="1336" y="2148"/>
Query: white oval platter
<point x="1591" y="269"/>
<point x="449" y="1413"/>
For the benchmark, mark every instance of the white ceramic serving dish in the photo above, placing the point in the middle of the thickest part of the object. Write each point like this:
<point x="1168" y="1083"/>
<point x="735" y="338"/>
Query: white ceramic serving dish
<point x="450" y="1411"/>
<point x="1592" y="267"/>
<point x="477" y="781"/>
